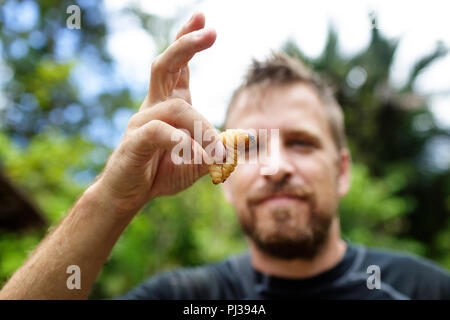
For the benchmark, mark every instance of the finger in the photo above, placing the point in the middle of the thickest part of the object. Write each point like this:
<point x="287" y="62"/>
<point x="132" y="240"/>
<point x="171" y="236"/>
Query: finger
<point x="178" y="54"/>
<point x="166" y="68"/>
<point x="196" y="22"/>
<point x="180" y="114"/>
<point x="158" y="135"/>
<point x="162" y="80"/>
<point x="183" y="49"/>
<point x="183" y="83"/>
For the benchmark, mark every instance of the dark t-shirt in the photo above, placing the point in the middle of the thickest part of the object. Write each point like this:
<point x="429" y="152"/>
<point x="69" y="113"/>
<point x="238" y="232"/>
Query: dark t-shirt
<point x="401" y="276"/>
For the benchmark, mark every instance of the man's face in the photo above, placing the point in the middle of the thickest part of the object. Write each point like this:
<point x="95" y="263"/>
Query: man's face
<point x="288" y="214"/>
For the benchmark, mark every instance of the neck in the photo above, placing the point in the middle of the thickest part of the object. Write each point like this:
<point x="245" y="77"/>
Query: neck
<point x="329" y="256"/>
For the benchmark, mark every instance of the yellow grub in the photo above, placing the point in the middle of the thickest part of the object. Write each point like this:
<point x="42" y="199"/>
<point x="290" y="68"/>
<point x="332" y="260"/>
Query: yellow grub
<point x="231" y="139"/>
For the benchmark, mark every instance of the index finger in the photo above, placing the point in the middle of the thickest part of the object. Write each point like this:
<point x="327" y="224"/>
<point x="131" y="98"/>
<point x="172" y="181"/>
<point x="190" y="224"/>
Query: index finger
<point x="182" y="50"/>
<point x="165" y="72"/>
<point x="196" y="22"/>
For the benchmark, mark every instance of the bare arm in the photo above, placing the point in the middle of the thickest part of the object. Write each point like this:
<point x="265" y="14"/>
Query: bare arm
<point x="84" y="238"/>
<point x="139" y="170"/>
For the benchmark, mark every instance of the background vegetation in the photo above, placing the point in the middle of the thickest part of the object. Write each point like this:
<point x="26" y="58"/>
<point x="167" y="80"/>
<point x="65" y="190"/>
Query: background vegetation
<point x="49" y="146"/>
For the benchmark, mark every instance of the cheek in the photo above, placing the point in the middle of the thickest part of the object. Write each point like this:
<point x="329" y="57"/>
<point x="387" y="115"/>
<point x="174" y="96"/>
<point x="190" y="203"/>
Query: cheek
<point x="320" y="173"/>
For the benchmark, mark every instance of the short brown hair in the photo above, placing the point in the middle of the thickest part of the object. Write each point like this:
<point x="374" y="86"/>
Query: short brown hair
<point x="280" y="69"/>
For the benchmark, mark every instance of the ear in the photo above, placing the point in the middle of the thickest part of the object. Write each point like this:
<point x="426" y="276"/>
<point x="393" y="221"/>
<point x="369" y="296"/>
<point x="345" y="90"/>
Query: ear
<point x="344" y="174"/>
<point x="227" y="190"/>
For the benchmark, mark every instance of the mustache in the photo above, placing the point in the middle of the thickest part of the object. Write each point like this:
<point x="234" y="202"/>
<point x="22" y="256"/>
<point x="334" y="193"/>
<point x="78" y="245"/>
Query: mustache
<point x="301" y="191"/>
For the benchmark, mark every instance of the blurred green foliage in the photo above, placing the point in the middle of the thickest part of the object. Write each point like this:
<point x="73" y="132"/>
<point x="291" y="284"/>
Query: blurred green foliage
<point x="395" y="201"/>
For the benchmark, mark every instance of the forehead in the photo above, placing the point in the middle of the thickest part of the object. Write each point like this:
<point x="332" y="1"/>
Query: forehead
<point x="286" y="107"/>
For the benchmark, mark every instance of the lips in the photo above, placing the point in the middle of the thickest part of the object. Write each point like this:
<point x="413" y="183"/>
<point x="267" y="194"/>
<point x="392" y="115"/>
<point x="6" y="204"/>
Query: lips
<point x="279" y="199"/>
<point x="287" y="193"/>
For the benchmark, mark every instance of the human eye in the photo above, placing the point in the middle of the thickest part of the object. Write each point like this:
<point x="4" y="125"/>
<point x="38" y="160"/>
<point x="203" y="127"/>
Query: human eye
<point x="302" y="143"/>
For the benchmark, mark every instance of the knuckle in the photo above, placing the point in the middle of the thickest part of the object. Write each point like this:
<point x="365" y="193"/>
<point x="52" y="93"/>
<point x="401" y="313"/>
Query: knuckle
<point x="183" y="41"/>
<point x="179" y="106"/>
<point x="152" y="128"/>
<point x="128" y="155"/>
<point x="134" y="120"/>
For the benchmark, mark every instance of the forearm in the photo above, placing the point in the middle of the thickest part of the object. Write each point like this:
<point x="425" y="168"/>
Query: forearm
<point x="85" y="238"/>
<point x="138" y="170"/>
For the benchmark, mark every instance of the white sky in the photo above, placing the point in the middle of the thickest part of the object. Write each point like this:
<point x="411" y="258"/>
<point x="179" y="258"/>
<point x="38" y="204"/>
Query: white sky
<point x="249" y="29"/>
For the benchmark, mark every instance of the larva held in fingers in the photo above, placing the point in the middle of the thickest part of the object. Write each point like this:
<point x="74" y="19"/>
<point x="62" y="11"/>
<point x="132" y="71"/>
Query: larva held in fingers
<point x="231" y="139"/>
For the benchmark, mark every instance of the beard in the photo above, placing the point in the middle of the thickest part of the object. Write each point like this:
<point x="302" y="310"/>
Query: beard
<point x="294" y="230"/>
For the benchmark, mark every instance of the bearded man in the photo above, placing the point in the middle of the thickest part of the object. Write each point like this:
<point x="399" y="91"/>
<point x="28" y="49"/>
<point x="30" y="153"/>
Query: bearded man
<point x="289" y="216"/>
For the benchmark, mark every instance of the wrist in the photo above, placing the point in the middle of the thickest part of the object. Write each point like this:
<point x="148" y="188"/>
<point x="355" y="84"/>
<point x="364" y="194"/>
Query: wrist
<point x="99" y="195"/>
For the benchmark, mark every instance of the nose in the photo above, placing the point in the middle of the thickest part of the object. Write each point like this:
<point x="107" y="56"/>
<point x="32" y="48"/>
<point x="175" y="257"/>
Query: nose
<point x="285" y="168"/>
